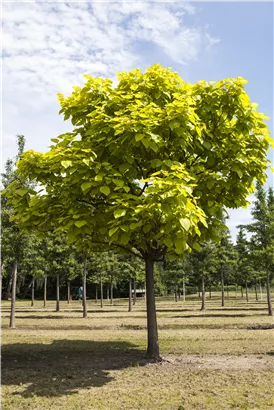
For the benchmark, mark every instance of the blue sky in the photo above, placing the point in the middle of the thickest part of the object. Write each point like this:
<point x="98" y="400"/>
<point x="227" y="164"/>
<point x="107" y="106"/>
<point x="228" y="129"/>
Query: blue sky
<point x="47" y="47"/>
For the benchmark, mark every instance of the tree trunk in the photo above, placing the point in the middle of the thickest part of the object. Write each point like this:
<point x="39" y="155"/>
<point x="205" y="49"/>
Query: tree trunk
<point x="130" y="297"/>
<point x="1" y="277"/>
<point x="176" y="294"/>
<point x="269" y="304"/>
<point x="13" y="296"/>
<point x="152" y="330"/>
<point x="236" y="289"/>
<point x="227" y="291"/>
<point x="246" y="291"/>
<point x="199" y="293"/>
<point x="210" y="291"/>
<point x="242" y="292"/>
<point x="134" y="291"/>
<point x="184" y="290"/>
<point x="179" y="294"/>
<point x="203" y="292"/>
<point x="107" y="292"/>
<point x="84" y="284"/>
<point x="261" y="291"/>
<point x="68" y="291"/>
<point x="57" y="293"/>
<point x="45" y="291"/>
<point x="96" y="293"/>
<point x="102" y="296"/>
<point x="256" y="293"/>
<point x="9" y="286"/>
<point x="32" y="291"/>
<point x="111" y="292"/>
<point x="223" y="287"/>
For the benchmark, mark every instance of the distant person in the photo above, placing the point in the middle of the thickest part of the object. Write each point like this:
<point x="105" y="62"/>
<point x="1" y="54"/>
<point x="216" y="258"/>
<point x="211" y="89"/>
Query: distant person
<point x="80" y="293"/>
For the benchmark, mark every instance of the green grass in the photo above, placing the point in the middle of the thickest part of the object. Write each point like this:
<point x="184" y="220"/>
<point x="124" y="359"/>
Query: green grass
<point x="217" y="359"/>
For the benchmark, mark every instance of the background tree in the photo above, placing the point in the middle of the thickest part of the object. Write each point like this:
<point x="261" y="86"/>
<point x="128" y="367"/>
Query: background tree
<point x="262" y="229"/>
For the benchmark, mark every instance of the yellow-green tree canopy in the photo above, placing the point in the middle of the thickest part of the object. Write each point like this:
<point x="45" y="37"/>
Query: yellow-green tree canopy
<point x="150" y="163"/>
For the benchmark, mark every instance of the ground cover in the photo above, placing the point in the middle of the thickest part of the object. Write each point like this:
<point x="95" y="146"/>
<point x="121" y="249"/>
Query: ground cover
<point x="218" y="359"/>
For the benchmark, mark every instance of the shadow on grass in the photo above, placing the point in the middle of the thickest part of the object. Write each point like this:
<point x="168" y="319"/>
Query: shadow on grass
<point x="65" y="366"/>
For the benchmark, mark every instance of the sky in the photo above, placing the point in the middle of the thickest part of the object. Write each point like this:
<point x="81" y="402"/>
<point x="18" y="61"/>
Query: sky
<point x="48" y="46"/>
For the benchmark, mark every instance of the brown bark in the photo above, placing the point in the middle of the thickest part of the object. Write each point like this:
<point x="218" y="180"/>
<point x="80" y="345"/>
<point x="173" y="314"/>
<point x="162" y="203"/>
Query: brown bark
<point x="84" y="284"/>
<point x="261" y="291"/>
<point x="256" y="293"/>
<point x="223" y="287"/>
<point x="246" y="292"/>
<point x="130" y="297"/>
<point x="13" y="296"/>
<point x="68" y="291"/>
<point x="184" y="290"/>
<point x="176" y="294"/>
<point x="152" y="330"/>
<point x="269" y="304"/>
<point x="45" y="291"/>
<point x="57" y="293"/>
<point x="102" y="295"/>
<point x="111" y="292"/>
<point x="134" y="291"/>
<point x="203" y="292"/>
<point x="32" y="291"/>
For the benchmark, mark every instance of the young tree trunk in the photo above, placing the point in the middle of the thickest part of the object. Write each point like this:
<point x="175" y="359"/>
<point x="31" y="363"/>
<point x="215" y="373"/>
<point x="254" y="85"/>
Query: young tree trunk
<point x="199" y="293"/>
<point x="152" y="329"/>
<point x="236" y="289"/>
<point x="261" y="291"/>
<point x="107" y="292"/>
<point x="32" y="291"/>
<point x="57" y="293"/>
<point x="203" y="292"/>
<point x="184" y="290"/>
<point x="242" y="292"/>
<point x="256" y="293"/>
<point x="68" y="291"/>
<point x="223" y="287"/>
<point x="176" y="294"/>
<point x="13" y="296"/>
<point x="102" y="296"/>
<point x="227" y="291"/>
<point x="111" y="292"/>
<point x="246" y="291"/>
<point x="210" y="291"/>
<point x="179" y="294"/>
<point x="130" y="297"/>
<point x="96" y="293"/>
<point x="269" y="304"/>
<point x="134" y="291"/>
<point x="1" y="277"/>
<point x="9" y="286"/>
<point x="45" y="291"/>
<point x="84" y="284"/>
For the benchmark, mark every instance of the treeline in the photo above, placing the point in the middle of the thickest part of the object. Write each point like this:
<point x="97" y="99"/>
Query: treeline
<point x="45" y="262"/>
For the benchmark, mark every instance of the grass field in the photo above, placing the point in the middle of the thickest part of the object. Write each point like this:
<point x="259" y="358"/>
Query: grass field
<point x="219" y="359"/>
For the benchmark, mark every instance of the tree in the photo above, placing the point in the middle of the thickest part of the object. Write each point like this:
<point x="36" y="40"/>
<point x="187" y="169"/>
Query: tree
<point x="148" y="168"/>
<point x="226" y="260"/>
<point x="244" y="262"/>
<point x="14" y="242"/>
<point x="262" y="229"/>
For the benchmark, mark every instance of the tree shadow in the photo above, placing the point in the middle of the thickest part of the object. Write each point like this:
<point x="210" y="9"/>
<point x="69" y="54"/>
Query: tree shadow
<point x="65" y="366"/>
